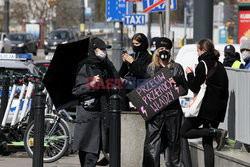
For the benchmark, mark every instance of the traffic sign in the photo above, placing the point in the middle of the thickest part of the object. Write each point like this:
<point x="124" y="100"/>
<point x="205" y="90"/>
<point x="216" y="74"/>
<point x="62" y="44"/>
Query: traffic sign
<point x="116" y="10"/>
<point x="134" y="19"/>
<point x="157" y="5"/>
<point x="88" y="11"/>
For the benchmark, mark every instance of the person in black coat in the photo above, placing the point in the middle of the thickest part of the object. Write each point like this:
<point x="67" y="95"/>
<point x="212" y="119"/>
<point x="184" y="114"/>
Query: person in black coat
<point x="134" y="66"/>
<point x="92" y="130"/>
<point x="214" y="104"/>
<point x="162" y="131"/>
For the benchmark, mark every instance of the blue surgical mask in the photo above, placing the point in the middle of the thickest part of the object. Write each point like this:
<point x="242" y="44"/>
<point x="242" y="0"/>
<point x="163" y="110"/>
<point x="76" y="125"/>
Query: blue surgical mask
<point x="153" y="49"/>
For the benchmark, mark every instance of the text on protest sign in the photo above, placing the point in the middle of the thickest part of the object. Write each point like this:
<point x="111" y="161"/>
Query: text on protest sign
<point x="155" y="94"/>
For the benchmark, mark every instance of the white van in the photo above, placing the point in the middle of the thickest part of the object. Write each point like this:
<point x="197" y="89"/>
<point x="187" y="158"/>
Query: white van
<point x="188" y="57"/>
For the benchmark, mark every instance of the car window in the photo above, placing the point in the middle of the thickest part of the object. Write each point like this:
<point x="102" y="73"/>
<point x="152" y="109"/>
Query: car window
<point x="43" y="67"/>
<point x="16" y="37"/>
<point x="75" y="36"/>
<point x="63" y="35"/>
<point x="28" y="38"/>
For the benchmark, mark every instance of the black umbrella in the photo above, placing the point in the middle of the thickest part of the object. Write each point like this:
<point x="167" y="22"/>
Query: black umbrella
<point x="60" y="77"/>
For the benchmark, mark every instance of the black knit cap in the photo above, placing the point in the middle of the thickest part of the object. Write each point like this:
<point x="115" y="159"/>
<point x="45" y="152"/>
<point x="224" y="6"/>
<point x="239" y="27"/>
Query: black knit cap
<point x="164" y="42"/>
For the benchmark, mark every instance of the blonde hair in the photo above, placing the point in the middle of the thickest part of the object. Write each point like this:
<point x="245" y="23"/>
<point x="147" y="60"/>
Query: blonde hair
<point x="155" y="60"/>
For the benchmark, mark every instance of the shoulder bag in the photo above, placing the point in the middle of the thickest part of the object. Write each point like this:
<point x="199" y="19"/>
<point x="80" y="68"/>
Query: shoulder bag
<point x="194" y="107"/>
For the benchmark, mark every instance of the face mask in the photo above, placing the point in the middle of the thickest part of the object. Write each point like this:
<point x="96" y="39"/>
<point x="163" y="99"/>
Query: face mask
<point x="164" y="55"/>
<point x="245" y="56"/>
<point x="153" y="49"/>
<point x="136" y="48"/>
<point x="101" y="54"/>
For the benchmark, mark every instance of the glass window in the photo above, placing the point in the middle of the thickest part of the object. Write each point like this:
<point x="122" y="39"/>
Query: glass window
<point x="16" y="37"/>
<point x="63" y="35"/>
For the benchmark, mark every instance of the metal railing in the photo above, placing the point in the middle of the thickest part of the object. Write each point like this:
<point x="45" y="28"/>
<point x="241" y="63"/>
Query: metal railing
<point x="237" y="120"/>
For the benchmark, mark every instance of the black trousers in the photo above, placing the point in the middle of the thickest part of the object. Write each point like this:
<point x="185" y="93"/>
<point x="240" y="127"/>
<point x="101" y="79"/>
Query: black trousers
<point x="88" y="159"/>
<point x="191" y="129"/>
<point x="162" y="135"/>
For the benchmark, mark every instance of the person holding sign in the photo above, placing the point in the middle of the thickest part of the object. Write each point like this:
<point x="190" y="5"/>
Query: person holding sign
<point x="162" y="131"/>
<point x="214" y="104"/>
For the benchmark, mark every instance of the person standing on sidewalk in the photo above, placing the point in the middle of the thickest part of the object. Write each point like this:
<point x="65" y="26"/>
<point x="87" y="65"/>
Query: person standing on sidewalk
<point x="162" y="131"/>
<point x="92" y="135"/>
<point x="214" y="104"/>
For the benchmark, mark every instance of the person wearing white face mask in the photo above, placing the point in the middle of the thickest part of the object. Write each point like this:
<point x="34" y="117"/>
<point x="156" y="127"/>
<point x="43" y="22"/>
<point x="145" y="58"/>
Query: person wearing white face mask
<point x="91" y="137"/>
<point x="245" y="53"/>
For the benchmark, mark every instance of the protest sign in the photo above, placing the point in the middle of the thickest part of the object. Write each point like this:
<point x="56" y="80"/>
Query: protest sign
<point x="155" y="94"/>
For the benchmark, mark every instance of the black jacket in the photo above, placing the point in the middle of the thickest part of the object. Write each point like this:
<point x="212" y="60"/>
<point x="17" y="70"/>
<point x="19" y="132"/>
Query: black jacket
<point x="214" y="103"/>
<point x="90" y="136"/>
<point x="231" y="58"/>
<point x="139" y="66"/>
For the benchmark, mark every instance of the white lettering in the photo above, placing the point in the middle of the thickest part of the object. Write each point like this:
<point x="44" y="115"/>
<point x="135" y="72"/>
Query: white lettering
<point x="138" y="18"/>
<point x="132" y="20"/>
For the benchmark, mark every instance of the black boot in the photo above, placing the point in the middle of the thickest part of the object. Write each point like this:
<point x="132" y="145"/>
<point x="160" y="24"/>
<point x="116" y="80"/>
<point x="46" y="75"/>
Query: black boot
<point x="103" y="162"/>
<point x="219" y="135"/>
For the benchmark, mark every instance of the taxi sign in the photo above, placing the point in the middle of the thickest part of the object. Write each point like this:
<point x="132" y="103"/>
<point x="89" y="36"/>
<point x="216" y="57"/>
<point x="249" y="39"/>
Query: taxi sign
<point x="134" y="19"/>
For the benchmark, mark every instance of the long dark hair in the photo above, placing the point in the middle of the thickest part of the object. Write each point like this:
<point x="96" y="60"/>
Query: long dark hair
<point x="208" y="45"/>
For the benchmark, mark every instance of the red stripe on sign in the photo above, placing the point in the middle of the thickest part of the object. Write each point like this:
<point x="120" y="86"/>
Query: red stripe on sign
<point x="153" y="6"/>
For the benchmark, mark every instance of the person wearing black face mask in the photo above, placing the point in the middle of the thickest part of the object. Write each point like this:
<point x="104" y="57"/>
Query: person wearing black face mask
<point x="162" y="131"/>
<point x="134" y="66"/>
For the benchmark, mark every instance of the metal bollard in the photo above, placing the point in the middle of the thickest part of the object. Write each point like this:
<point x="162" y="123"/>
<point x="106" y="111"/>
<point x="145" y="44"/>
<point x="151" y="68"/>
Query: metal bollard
<point x="5" y="94"/>
<point x="115" y="130"/>
<point x="39" y="100"/>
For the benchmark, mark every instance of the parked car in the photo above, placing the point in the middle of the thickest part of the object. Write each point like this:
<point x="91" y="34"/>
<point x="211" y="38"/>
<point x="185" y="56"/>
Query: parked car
<point x="5" y="44"/>
<point x="59" y="36"/>
<point x="23" y="43"/>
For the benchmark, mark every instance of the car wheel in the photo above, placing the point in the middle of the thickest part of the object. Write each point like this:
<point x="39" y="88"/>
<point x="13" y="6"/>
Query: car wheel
<point x="2" y="51"/>
<point x="46" y="52"/>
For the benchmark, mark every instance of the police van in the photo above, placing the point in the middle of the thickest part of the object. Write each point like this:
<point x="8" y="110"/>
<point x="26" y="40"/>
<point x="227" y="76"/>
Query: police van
<point x="188" y="57"/>
<point x="16" y="63"/>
